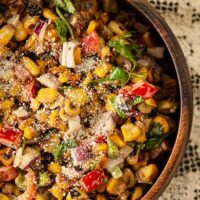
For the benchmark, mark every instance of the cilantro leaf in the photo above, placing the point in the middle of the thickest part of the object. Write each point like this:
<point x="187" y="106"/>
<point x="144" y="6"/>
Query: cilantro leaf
<point x="118" y="74"/>
<point x="154" y="142"/>
<point x="61" y="148"/>
<point x="137" y="100"/>
<point x="65" y="5"/>
<point x="64" y="21"/>
<point x="123" y="49"/>
<point x="156" y="129"/>
<point x="61" y="30"/>
<point x="117" y="107"/>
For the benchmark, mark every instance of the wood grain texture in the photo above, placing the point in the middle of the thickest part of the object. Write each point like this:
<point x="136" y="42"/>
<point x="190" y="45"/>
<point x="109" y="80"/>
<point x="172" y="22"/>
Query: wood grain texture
<point x="186" y="96"/>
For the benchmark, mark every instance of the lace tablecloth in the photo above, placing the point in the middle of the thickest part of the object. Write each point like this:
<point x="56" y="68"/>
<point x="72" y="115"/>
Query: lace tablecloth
<point x="183" y="16"/>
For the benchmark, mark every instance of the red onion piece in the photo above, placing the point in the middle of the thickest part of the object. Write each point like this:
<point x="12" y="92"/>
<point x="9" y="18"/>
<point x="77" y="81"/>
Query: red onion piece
<point x="38" y="27"/>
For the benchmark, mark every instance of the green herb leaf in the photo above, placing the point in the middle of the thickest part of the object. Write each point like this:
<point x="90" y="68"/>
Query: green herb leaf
<point x="118" y="74"/>
<point x="117" y="107"/>
<point x="154" y="142"/>
<point x="64" y="21"/>
<point x="113" y="151"/>
<point x="156" y="129"/>
<point x="123" y="49"/>
<point x="137" y="100"/>
<point x="61" y="148"/>
<point x="61" y="30"/>
<point x="66" y="5"/>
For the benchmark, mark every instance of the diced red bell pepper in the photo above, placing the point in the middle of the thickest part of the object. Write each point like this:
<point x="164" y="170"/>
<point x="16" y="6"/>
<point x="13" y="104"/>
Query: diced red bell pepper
<point x="10" y="137"/>
<point x="142" y="89"/>
<point x="100" y="139"/>
<point x="93" y="180"/>
<point x="91" y="44"/>
<point x="30" y="90"/>
<point x="7" y="173"/>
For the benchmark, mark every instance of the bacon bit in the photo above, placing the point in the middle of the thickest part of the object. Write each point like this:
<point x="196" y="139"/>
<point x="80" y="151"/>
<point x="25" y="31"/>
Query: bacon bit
<point x="7" y="173"/>
<point x="10" y="137"/>
<point x="22" y="74"/>
<point x="91" y="44"/>
<point x="30" y="90"/>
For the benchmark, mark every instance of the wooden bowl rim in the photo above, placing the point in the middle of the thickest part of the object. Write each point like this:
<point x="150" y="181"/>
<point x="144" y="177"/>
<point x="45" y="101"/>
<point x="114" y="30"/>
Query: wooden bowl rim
<point x="186" y="95"/>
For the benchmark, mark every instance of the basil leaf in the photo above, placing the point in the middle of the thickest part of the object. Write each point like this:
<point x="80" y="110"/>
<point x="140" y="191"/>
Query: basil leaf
<point x="117" y="107"/>
<point x="66" y="5"/>
<point x="61" y="148"/>
<point x="61" y="30"/>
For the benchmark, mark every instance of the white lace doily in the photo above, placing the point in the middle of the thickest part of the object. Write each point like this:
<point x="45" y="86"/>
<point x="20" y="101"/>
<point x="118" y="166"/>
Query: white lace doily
<point x="183" y="16"/>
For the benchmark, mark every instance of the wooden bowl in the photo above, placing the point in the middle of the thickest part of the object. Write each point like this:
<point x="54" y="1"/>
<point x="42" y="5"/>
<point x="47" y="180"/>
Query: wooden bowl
<point x="181" y="73"/>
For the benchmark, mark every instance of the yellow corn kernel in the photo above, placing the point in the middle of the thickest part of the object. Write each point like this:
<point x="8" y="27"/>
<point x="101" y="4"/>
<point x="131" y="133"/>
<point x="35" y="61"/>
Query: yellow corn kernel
<point x="6" y="34"/>
<point x="82" y="195"/>
<point x="7" y="104"/>
<point x="109" y="106"/>
<point x="4" y="197"/>
<point x="54" y="120"/>
<point x="31" y="66"/>
<point x="15" y="89"/>
<point x="42" y="117"/>
<point x="1" y="94"/>
<point x="115" y="138"/>
<point x="142" y="72"/>
<point x="151" y="102"/>
<point x="47" y="95"/>
<point x="35" y="104"/>
<point x="105" y="53"/>
<point x="64" y="77"/>
<point x="77" y="55"/>
<point x="116" y="186"/>
<point x="92" y="26"/>
<point x="20" y="33"/>
<point x="77" y="96"/>
<point x="54" y="167"/>
<point x="57" y="192"/>
<point x="148" y="173"/>
<point x="56" y="70"/>
<point x="48" y="14"/>
<point x="4" y="51"/>
<point x="144" y="108"/>
<point x="28" y="21"/>
<point x="130" y="132"/>
<point x="100" y="197"/>
<point x="25" y="123"/>
<point x="29" y="133"/>
<point x="31" y="43"/>
<point x="163" y="122"/>
<point x="103" y="69"/>
<point x="129" y="178"/>
<point x="40" y="197"/>
<point x="148" y="40"/>
<point x="103" y="147"/>
<point x="117" y="28"/>
<point x="51" y="35"/>
<point x="71" y="111"/>
<point x="88" y="79"/>
<point x="137" y="193"/>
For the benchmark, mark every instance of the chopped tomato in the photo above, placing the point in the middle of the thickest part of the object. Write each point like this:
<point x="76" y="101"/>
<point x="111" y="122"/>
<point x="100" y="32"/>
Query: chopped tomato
<point x="30" y="90"/>
<point x="91" y="44"/>
<point x="142" y="89"/>
<point x="93" y="180"/>
<point x="7" y="173"/>
<point x="10" y="137"/>
<point x="100" y="139"/>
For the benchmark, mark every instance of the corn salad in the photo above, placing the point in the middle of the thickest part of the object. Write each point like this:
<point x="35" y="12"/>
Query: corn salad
<point x="86" y="102"/>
